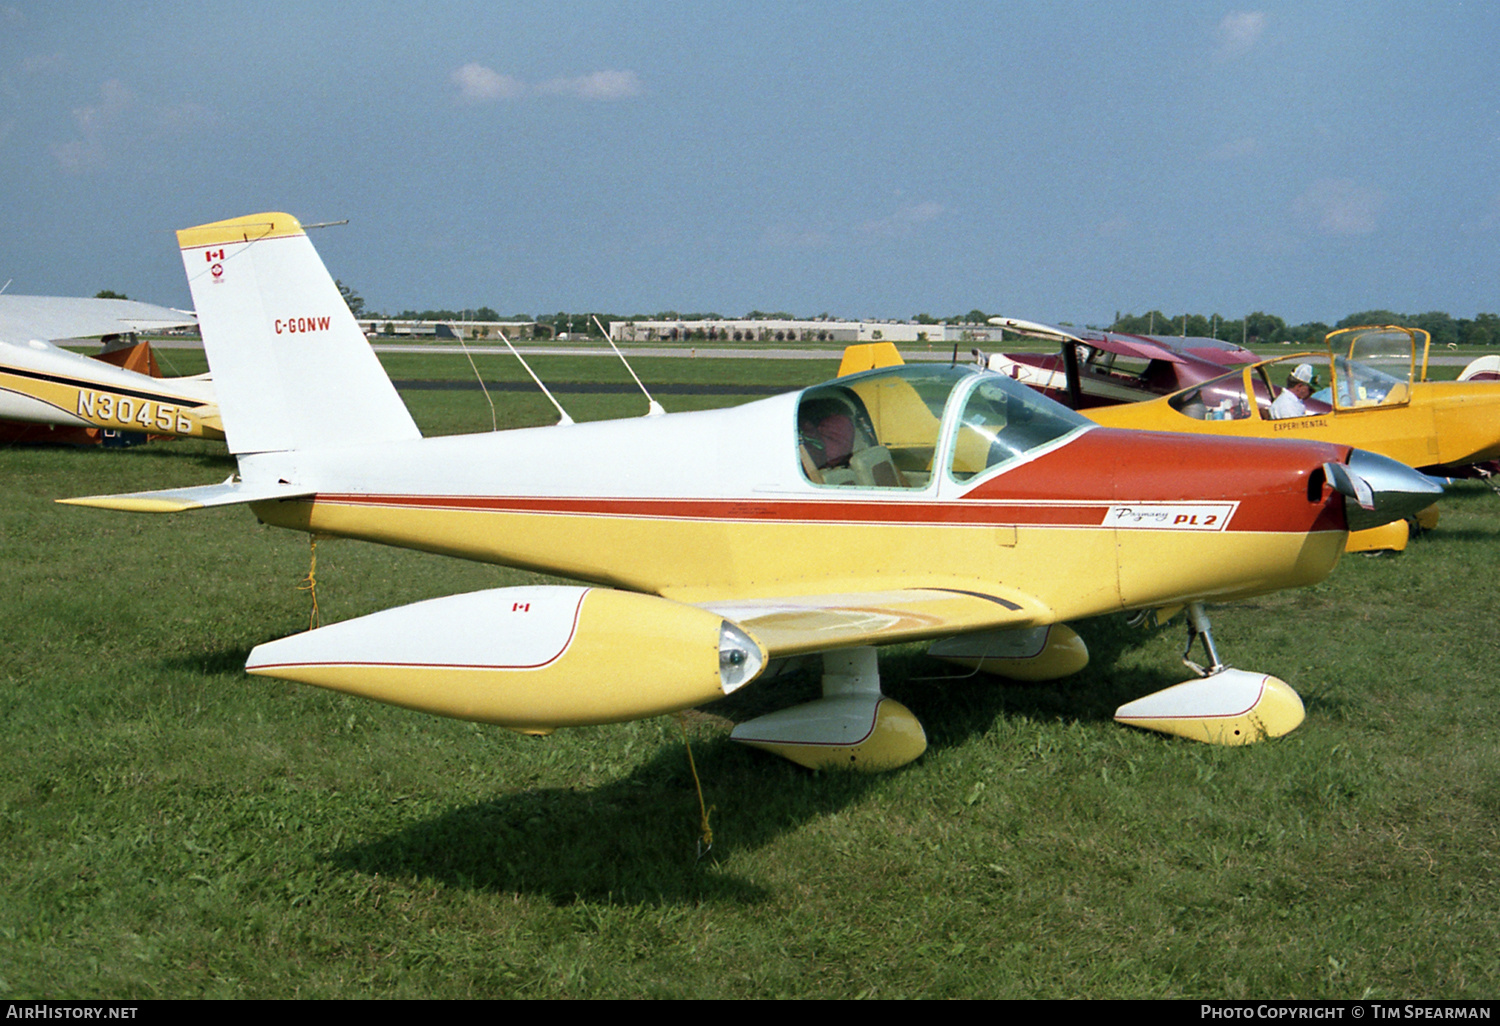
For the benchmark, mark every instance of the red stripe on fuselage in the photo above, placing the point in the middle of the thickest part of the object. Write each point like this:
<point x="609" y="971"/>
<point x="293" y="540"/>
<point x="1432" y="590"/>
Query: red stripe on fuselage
<point x="834" y="509"/>
<point x="1071" y="487"/>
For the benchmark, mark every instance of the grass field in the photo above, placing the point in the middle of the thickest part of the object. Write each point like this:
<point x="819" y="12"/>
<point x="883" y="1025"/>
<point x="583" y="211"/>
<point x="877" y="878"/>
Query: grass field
<point x="172" y="828"/>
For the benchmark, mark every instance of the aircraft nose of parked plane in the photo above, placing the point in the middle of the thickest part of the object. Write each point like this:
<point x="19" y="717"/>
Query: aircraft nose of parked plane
<point x="1382" y="489"/>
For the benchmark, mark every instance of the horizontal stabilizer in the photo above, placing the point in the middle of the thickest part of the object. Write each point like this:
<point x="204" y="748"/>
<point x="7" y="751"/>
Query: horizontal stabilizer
<point x="817" y="623"/>
<point x="176" y="500"/>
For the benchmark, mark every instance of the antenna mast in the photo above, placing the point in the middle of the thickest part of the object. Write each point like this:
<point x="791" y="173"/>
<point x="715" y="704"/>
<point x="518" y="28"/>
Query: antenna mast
<point x="653" y="408"/>
<point x="561" y="412"/>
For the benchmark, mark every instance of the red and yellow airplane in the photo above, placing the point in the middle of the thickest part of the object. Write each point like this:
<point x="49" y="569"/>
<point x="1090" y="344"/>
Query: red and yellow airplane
<point x="48" y="394"/>
<point x="943" y="503"/>
<point x="1369" y="390"/>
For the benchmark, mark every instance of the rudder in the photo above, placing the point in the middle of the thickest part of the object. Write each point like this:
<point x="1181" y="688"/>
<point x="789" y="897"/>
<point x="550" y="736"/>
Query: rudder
<point x="291" y="366"/>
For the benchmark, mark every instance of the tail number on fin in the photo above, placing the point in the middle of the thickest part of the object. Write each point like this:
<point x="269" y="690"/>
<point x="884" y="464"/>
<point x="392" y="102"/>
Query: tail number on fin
<point x="300" y="325"/>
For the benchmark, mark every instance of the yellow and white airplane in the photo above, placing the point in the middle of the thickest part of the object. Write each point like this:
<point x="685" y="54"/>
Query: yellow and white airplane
<point x="50" y="394"/>
<point x="943" y="503"/>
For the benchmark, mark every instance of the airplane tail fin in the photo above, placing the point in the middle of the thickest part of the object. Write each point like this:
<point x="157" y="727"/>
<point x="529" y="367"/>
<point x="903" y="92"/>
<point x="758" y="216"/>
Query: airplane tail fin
<point x="292" y="368"/>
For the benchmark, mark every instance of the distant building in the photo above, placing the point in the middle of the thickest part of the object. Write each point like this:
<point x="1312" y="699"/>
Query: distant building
<point x="391" y="327"/>
<point x="778" y="331"/>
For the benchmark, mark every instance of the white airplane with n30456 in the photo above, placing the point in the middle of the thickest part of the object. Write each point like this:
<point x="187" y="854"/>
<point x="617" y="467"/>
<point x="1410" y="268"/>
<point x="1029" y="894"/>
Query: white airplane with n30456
<point x="943" y="503"/>
<point x="48" y="394"/>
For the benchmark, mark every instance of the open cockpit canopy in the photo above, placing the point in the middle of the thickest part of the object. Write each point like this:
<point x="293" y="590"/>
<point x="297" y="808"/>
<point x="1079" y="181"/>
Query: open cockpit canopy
<point x="1338" y="383"/>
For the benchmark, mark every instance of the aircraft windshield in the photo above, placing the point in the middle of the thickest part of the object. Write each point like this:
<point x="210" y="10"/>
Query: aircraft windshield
<point x="1389" y="349"/>
<point x="882" y="429"/>
<point x="1361" y="384"/>
<point x="1380" y="364"/>
<point x="1002" y="421"/>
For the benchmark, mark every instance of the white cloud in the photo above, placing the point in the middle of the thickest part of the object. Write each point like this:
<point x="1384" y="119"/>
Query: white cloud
<point x="93" y="122"/>
<point x="904" y="221"/>
<point x="117" y="124"/>
<point x="1341" y="206"/>
<point x="600" y="85"/>
<point x="478" y="84"/>
<point x="1239" y="31"/>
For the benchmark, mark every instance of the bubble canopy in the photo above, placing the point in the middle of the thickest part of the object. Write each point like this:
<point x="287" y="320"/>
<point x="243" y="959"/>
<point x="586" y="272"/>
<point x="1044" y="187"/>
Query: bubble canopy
<point x="895" y="427"/>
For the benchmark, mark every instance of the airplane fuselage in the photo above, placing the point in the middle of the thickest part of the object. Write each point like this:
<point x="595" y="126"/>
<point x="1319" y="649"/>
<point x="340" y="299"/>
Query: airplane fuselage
<point x="1444" y="423"/>
<point x="712" y="505"/>
<point x="43" y="384"/>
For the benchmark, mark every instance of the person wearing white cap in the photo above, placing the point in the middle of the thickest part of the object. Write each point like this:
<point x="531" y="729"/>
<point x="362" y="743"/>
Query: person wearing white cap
<point x="1292" y="402"/>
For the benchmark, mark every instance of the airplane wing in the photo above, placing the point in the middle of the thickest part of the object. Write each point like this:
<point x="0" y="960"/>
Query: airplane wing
<point x="537" y="657"/>
<point x="1130" y="345"/>
<point x="797" y="625"/>
<point x="1215" y="350"/>
<point x="1141" y="346"/>
<point x="1146" y="347"/>
<point x="51" y="318"/>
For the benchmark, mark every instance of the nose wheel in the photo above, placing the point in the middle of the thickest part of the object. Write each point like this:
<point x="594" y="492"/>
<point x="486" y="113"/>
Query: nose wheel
<point x="1222" y="705"/>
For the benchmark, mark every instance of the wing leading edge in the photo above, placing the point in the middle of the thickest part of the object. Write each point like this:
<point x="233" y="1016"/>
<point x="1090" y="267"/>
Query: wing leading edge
<point x="801" y="624"/>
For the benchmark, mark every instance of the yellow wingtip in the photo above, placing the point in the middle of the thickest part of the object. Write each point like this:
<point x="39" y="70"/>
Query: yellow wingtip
<point x="250" y="228"/>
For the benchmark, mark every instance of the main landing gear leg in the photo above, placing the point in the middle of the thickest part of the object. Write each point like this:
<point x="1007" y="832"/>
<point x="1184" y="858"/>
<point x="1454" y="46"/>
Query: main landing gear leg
<point x="853" y="726"/>
<point x="1222" y="705"/>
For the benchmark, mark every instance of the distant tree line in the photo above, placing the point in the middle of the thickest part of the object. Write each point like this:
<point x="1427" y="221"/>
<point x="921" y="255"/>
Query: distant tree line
<point x="1482" y="330"/>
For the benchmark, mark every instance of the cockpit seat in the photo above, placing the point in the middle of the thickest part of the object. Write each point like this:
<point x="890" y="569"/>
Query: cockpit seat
<point x="874" y="468"/>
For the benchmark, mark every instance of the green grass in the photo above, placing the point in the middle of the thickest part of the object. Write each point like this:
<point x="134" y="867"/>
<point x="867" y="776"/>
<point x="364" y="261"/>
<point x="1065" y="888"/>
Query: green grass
<point x="170" y="827"/>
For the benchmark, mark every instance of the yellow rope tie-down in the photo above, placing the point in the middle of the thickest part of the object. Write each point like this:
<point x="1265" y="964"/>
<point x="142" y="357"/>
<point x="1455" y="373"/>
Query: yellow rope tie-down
<point x="309" y="583"/>
<point x="706" y="838"/>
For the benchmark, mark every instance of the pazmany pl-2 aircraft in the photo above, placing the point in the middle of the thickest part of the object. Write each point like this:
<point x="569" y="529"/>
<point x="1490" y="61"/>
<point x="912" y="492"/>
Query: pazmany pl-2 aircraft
<point x="48" y="394"/>
<point x="1368" y="390"/>
<point x="1102" y="368"/>
<point x="901" y="504"/>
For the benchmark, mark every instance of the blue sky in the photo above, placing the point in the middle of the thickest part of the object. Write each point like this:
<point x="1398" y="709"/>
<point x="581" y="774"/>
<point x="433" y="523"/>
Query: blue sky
<point x="1053" y="161"/>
